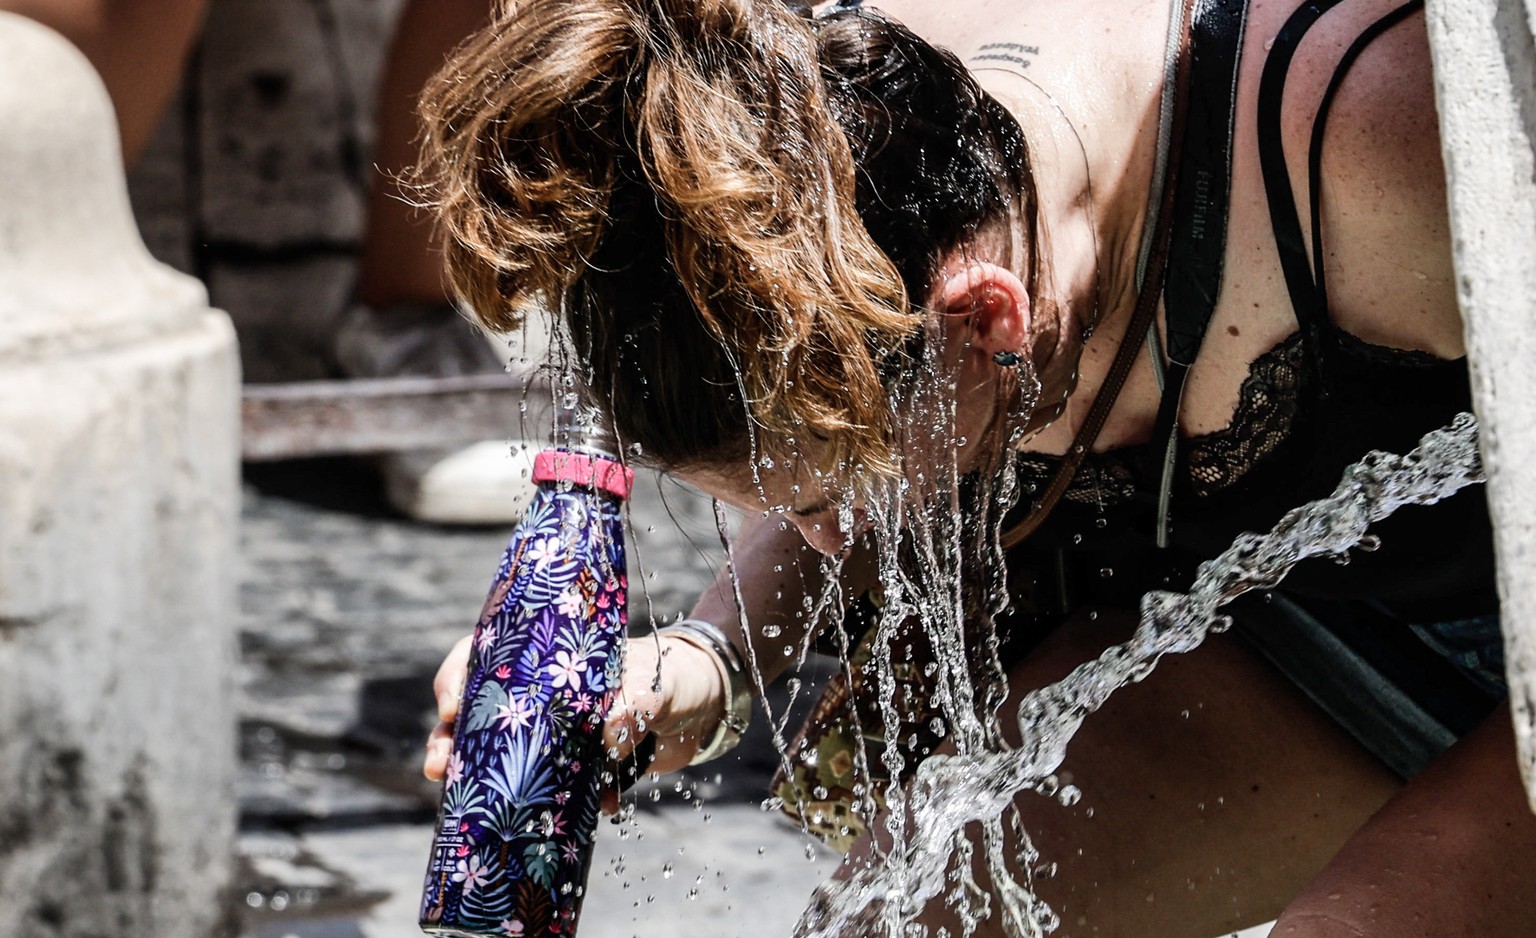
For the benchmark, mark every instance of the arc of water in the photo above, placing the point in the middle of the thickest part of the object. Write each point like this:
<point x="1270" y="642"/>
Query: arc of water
<point x="948" y="793"/>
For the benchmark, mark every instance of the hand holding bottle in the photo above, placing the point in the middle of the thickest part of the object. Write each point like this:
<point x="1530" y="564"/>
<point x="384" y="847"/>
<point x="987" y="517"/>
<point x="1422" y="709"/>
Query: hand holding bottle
<point x="671" y="688"/>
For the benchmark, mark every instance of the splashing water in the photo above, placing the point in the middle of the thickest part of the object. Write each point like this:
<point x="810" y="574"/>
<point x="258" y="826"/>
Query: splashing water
<point x="978" y="786"/>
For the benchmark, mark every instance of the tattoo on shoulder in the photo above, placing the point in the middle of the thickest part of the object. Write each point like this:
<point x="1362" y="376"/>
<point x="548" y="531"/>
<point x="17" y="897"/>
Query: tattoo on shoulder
<point x="1013" y="53"/>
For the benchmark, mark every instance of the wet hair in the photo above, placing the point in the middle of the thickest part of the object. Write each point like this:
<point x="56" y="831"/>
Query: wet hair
<point x="732" y="208"/>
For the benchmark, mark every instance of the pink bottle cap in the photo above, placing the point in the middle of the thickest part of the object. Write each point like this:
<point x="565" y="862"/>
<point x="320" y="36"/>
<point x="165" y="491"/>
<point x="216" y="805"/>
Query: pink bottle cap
<point x="558" y="465"/>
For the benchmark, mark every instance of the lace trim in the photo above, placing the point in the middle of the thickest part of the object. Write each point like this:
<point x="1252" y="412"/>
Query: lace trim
<point x="1104" y="479"/>
<point x="1266" y="409"/>
<point x="1262" y="422"/>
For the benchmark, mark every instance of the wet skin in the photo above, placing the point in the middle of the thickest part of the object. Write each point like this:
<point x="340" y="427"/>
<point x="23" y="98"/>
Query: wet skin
<point x="1306" y="826"/>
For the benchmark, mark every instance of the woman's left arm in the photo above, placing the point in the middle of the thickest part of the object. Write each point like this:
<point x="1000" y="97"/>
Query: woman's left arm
<point x="1452" y="854"/>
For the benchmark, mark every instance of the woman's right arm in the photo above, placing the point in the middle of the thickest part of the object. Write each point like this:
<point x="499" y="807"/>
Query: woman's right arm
<point x="675" y="689"/>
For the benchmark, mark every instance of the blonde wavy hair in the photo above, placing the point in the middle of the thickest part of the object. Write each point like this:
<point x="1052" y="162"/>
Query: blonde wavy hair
<point x="595" y="154"/>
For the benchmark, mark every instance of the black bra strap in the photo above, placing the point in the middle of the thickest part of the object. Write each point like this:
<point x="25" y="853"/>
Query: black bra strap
<point x="1315" y="152"/>
<point x="1304" y="277"/>
<point x="1283" y="218"/>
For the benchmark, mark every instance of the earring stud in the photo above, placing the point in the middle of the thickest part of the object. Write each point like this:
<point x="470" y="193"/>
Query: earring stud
<point x="1007" y="359"/>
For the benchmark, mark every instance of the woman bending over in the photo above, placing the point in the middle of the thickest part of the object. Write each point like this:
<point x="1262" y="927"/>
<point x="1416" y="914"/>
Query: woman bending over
<point x="1119" y="279"/>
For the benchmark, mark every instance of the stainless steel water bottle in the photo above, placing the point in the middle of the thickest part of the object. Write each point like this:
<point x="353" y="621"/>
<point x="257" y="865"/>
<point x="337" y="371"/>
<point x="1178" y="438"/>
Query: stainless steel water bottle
<point x="521" y="799"/>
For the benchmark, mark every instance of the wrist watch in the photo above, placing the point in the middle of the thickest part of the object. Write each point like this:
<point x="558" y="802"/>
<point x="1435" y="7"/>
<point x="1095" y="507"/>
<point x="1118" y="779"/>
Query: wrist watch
<point x="738" y="690"/>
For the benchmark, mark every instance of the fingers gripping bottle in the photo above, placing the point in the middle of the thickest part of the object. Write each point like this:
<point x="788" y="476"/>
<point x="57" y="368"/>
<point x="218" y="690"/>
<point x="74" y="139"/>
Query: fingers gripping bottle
<point x="520" y="801"/>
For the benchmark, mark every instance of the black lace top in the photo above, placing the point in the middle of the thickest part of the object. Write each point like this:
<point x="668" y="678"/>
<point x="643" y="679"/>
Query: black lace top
<point x="1302" y="418"/>
<point x="1308" y="408"/>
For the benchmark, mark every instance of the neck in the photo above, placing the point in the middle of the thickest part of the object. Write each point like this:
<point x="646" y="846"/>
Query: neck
<point x="1092" y="157"/>
<point x="1092" y="173"/>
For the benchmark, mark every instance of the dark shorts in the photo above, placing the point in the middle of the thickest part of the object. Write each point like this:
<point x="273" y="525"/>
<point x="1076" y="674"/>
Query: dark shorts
<point x="1405" y="690"/>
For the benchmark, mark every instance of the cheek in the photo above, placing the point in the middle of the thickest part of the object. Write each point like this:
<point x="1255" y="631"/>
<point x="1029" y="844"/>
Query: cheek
<point x="1047" y="348"/>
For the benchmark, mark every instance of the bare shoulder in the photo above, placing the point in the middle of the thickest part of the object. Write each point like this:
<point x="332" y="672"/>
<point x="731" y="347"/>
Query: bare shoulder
<point x="1385" y="227"/>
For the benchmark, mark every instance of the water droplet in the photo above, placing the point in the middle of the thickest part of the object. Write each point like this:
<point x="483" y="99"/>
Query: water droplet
<point x="666" y="871"/>
<point x="772" y="631"/>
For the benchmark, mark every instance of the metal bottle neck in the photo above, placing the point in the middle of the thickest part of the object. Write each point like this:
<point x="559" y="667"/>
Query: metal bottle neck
<point x="581" y="429"/>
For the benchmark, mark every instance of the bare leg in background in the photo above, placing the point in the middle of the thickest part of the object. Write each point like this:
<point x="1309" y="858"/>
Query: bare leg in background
<point x="139" y="48"/>
<point x="401" y="262"/>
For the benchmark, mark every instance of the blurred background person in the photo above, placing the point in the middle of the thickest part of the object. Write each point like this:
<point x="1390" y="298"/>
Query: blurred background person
<point x="401" y="321"/>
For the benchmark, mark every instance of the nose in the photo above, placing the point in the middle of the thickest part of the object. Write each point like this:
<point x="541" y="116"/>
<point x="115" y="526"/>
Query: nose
<point x="821" y="532"/>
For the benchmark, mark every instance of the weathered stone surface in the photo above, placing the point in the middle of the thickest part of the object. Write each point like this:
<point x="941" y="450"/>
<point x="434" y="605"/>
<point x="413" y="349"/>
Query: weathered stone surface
<point x="286" y="311"/>
<point x="118" y="393"/>
<point x="280" y="147"/>
<point x="257" y="177"/>
<point x="1485" y="83"/>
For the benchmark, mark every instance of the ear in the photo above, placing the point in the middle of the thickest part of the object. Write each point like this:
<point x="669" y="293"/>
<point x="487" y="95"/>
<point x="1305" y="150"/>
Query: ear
<point x="993" y="301"/>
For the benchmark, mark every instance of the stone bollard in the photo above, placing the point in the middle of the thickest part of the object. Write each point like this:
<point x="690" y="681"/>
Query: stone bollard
<point x="1485" y="88"/>
<point x="118" y="505"/>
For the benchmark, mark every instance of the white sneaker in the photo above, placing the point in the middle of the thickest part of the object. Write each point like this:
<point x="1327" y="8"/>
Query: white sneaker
<point x="486" y="483"/>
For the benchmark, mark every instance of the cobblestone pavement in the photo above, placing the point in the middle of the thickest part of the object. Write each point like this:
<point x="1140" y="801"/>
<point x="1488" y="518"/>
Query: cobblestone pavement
<point x="345" y="613"/>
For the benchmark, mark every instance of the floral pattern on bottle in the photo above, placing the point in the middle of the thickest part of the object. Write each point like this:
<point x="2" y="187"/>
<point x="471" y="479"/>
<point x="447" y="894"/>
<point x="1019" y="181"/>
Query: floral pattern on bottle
<point x="521" y="797"/>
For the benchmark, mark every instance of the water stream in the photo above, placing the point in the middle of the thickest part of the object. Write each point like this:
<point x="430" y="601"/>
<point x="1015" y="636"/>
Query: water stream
<point x="979" y="785"/>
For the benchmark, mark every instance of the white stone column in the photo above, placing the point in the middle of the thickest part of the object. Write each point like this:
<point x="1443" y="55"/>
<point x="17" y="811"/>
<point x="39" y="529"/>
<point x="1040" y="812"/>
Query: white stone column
<point x="1485" y="84"/>
<point x="118" y="505"/>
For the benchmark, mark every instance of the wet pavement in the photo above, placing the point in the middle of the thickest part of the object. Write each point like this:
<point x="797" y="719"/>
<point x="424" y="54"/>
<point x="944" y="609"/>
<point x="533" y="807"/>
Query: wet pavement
<point x="346" y="611"/>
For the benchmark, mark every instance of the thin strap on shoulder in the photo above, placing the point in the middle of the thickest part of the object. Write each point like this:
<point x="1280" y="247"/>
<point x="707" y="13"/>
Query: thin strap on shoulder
<point x="1305" y="280"/>
<point x="1315" y="151"/>
<point x="1283" y="217"/>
